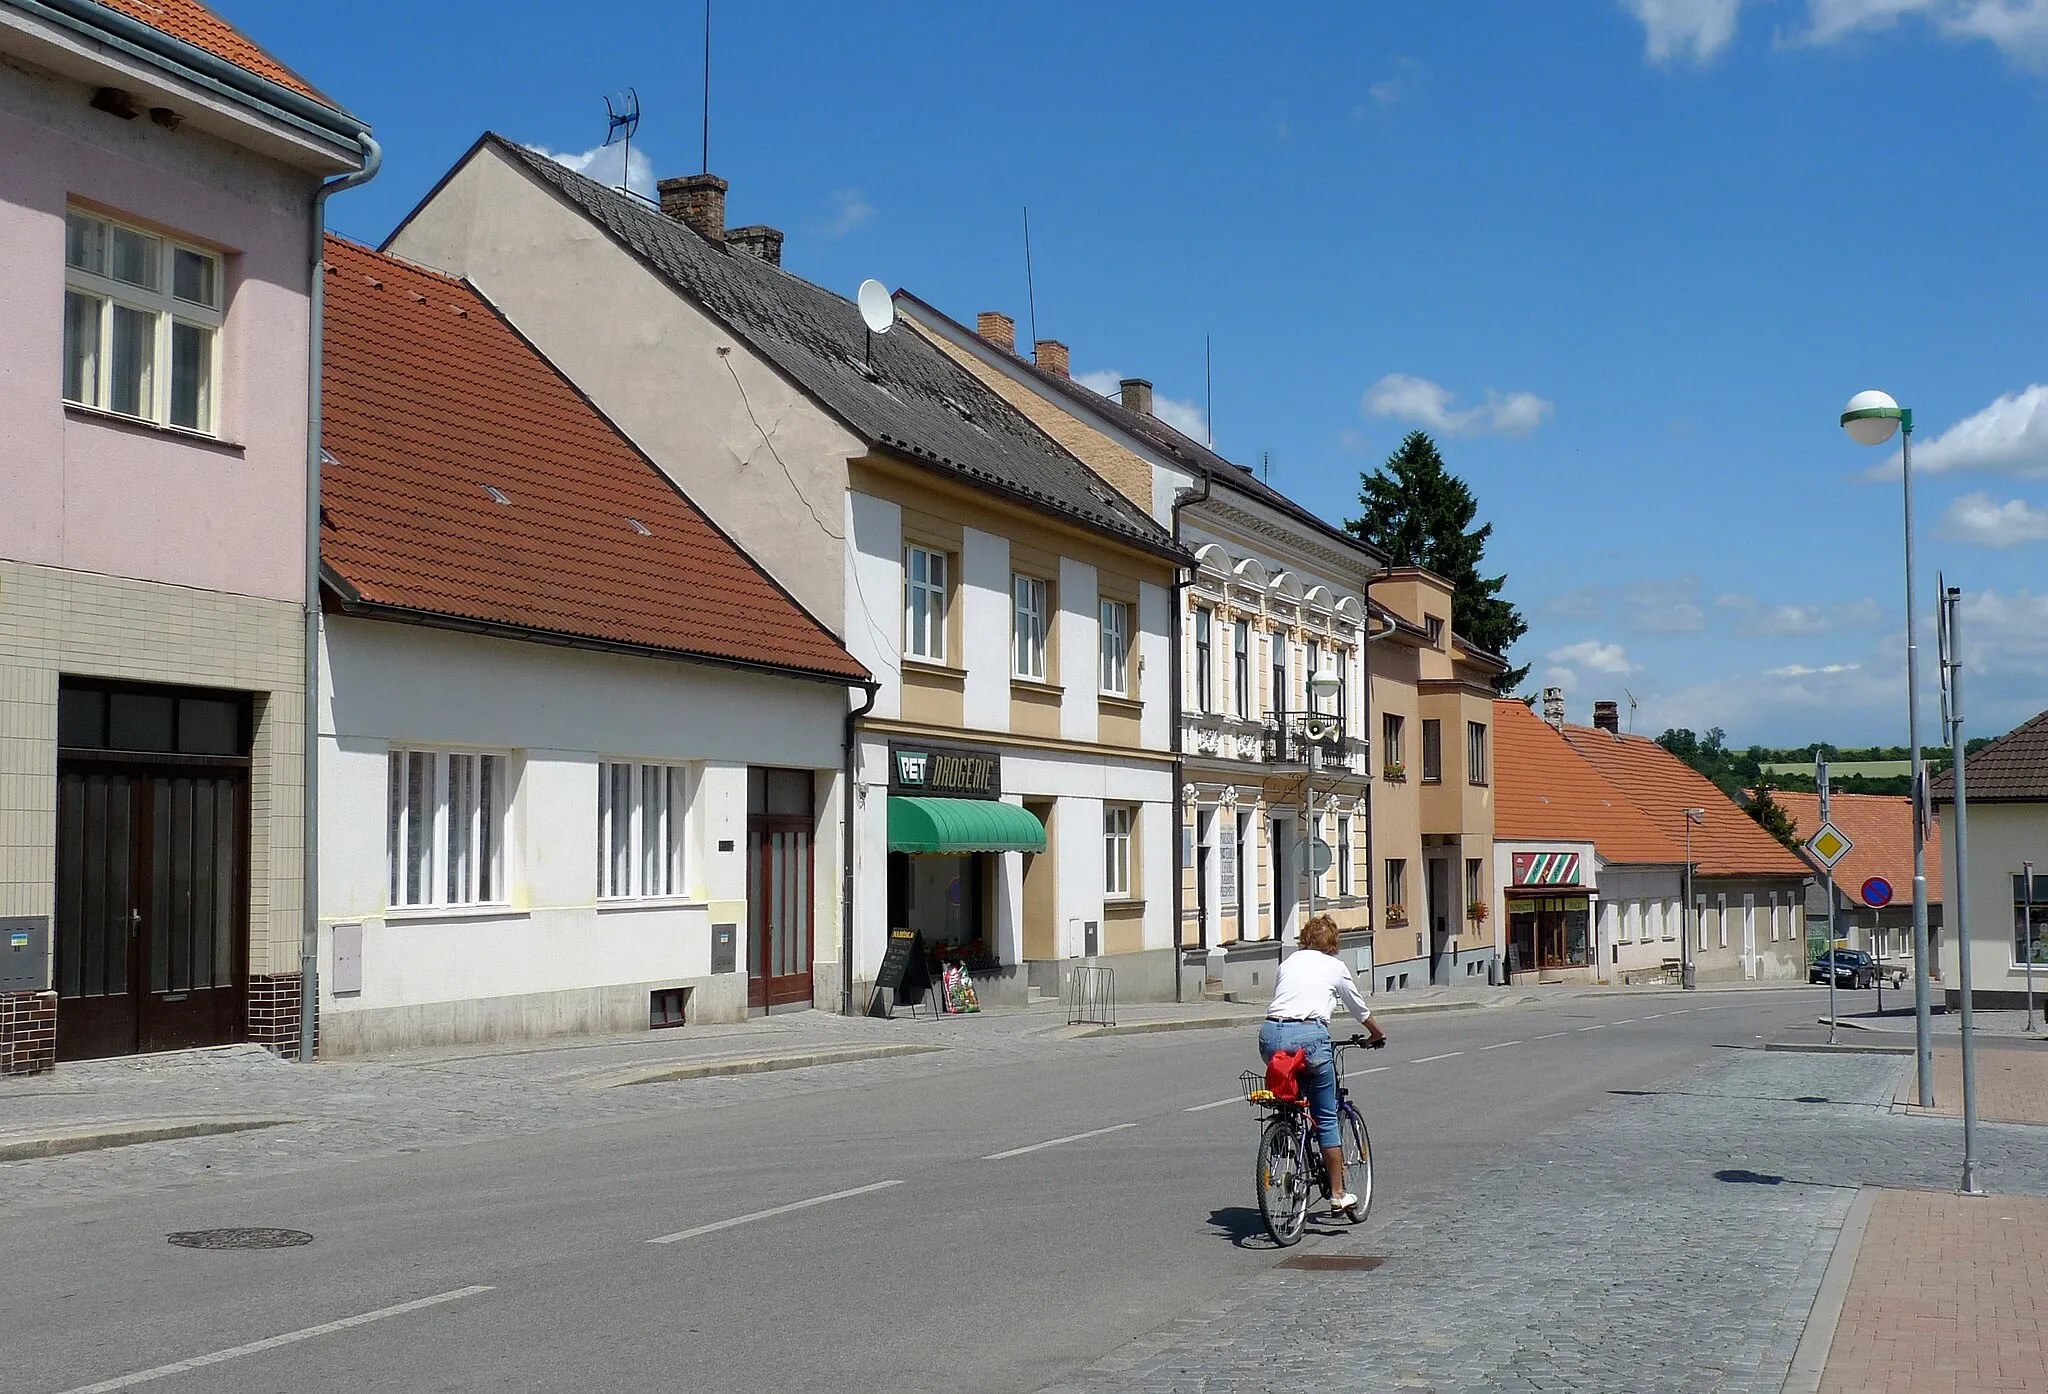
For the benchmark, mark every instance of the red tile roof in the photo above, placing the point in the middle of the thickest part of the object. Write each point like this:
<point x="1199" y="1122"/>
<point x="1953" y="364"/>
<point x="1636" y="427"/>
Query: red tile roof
<point x="1881" y="827"/>
<point x="1728" y="843"/>
<point x="202" y="28"/>
<point x="431" y="401"/>
<point x="1542" y="788"/>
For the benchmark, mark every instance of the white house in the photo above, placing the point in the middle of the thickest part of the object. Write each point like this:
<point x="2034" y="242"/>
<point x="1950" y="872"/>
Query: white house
<point x="2006" y="784"/>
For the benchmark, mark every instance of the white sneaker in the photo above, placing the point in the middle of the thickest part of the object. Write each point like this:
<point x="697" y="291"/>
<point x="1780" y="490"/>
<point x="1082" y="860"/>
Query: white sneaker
<point x="1344" y="1204"/>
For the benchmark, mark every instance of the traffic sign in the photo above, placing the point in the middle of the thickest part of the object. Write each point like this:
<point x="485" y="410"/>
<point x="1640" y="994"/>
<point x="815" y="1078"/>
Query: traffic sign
<point x="1319" y="855"/>
<point x="1829" y="845"/>
<point x="1877" y="892"/>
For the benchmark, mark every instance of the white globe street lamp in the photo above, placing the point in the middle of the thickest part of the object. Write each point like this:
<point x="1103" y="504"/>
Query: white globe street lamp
<point x="1318" y="726"/>
<point x="1872" y="418"/>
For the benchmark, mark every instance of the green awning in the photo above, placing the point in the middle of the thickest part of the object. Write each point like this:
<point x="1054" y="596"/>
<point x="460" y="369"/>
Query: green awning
<point x="961" y="825"/>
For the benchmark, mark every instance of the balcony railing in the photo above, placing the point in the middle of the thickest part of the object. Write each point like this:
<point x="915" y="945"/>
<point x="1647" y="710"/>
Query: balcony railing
<point x="1292" y="736"/>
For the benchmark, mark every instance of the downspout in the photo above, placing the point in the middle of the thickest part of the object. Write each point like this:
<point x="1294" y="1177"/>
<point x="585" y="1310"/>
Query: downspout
<point x="1175" y="620"/>
<point x="849" y="798"/>
<point x="309" y="934"/>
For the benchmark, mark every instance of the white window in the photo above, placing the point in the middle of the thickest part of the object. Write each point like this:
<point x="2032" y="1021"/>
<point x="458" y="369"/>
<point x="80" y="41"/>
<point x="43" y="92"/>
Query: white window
<point x="640" y="811"/>
<point x="1673" y="912"/>
<point x="1774" y="917"/>
<point x="1241" y="669"/>
<point x="1203" y="620"/>
<point x="1721" y="919"/>
<point x="1116" y="851"/>
<point x="924" y="604"/>
<point x="444" y="834"/>
<point x="1116" y="648"/>
<point x="1343" y="856"/>
<point x="142" y="319"/>
<point x="1028" y="630"/>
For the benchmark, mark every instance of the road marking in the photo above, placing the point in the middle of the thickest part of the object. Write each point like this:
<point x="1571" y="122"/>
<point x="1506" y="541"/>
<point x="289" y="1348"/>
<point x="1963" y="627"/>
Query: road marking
<point x="1551" y="1037"/>
<point x="1377" y="1069"/>
<point x="200" y="1362"/>
<point x="1625" y="1021"/>
<point x="1653" y="1016"/>
<point x="1057" y="1142"/>
<point x="1596" y="1026"/>
<point x="1680" y="1011"/>
<point x="1501" y="1045"/>
<point x="772" y="1212"/>
<point x="1198" y="1108"/>
<point x="1427" y="1058"/>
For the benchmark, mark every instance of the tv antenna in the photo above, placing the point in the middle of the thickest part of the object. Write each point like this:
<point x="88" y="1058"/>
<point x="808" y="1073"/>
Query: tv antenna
<point x="877" y="311"/>
<point x="1632" y="705"/>
<point x="623" y="108"/>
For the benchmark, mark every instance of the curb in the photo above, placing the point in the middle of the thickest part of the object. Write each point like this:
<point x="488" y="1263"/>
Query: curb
<point x="1849" y="1022"/>
<point x="753" y="1065"/>
<point x="1212" y="1023"/>
<point x="104" y="1135"/>
<point x="1823" y="1048"/>
<point x="1810" y="1361"/>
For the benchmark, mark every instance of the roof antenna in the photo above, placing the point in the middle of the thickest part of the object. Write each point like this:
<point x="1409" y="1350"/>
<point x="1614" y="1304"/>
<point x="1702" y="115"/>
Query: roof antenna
<point x="1209" y="390"/>
<point x="707" y="86"/>
<point x="1266" y="466"/>
<point x="1030" y="290"/>
<point x="1632" y="705"/>
<point x="624" y="113"/>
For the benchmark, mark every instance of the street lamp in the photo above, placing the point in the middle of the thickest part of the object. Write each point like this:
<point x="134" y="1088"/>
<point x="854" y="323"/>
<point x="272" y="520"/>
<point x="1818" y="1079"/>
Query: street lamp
<point x="1688" y="973"/>
<point x="1317" y="726"/>
<point x="1871" y="418"/>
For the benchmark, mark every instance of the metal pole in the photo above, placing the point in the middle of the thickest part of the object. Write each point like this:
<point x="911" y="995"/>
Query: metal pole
<point x="1685" y="932"/>
<point x="1923" y="1020"/>
<point x="1959" y="894"/>
<point x="1833" y="966"/>
<point x="2027" y="870"/>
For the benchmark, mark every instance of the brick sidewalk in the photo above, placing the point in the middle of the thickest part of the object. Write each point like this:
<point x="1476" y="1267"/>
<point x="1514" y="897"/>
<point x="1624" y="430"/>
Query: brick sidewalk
<point x="2012" y="1084"/>
<point x="1947" y="1298"/>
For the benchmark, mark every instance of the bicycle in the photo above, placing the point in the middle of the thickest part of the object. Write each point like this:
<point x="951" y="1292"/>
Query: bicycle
<point x="1290" y="1166"/>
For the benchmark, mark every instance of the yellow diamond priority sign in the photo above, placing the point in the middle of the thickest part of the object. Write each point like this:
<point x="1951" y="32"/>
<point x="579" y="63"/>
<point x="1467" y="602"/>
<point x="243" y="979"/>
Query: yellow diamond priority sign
<point x="1829" y="845"/>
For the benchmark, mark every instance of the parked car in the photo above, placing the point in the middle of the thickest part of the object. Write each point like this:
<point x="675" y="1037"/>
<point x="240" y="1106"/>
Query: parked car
<point x="1853" y="968"/>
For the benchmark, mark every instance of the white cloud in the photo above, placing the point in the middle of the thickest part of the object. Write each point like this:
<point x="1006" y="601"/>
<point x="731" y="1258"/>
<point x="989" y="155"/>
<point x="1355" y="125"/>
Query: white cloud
<point x="2018" y="28"/>
<point x="1800" y="670"/>
<point x="1756" y="619"/>
<point x="849" y="211"/>
<point x="1185" y="417"/>
<point x="1584" y="603"/>
<point x="602" y="163"/>
<point x="1644" y="607"/>
<point x="1562" y="678"/>
<point x="2008" y="437"/>
<point x="1680" y="28"/>
<point x="1428" y="404"/>
<point x="1982" y="520"/>
<point x="1591" y="654"/>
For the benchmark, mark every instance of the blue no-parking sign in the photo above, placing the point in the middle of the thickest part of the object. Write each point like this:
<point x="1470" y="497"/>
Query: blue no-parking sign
<point x="1877" y="892"/>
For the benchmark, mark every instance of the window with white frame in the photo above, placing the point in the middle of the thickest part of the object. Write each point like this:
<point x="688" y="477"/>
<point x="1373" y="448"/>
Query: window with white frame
<point x="1241" y="669"/>
<point x="1277" y="653"/>
<point x="640" y="813"/>
<point x="1311" y="666"/>
<point x="924" y="604"/>
<point x="1116" y="648"/>
<point x="142" y="317"/>
<point x="1116" y="850"/>
<point x="1204" y="618"/>
<point x="1674" y="913"/>
<point x="1344" y="855"/>
<point x="1028" y="627"/>
<point x="1475" y="752"/>
<point x="444" y="832"/>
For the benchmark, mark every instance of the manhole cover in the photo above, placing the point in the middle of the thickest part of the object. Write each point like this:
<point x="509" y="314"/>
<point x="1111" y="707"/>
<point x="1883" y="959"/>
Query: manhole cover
<point x="1743" y="1176"/>
<point x="1334" y="1263"/>
<point x="240" y="1238"/>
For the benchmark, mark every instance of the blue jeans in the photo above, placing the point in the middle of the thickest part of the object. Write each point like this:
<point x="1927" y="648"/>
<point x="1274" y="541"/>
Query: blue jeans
<point x="1312" y="1038"/>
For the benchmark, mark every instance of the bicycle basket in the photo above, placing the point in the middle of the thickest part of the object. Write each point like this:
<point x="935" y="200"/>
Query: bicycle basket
<point x="1255" y="1091"/>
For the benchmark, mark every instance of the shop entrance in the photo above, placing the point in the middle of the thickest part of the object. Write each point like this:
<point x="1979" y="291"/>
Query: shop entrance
<point x="1548" y="933"/>
<point x="152" y="940"/>
<point x="944" y="899"/>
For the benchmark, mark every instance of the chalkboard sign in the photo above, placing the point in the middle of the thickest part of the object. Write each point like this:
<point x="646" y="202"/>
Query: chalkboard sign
<point x="895" y="964"/>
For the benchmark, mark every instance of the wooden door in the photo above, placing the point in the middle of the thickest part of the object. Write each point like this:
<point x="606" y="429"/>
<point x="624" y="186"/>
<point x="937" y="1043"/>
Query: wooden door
<point x="781" y="894"/>
<point x="152" y="897"/>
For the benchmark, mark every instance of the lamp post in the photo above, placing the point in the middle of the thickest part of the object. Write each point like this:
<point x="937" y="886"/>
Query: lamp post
<point x="1871" y="418"/>
<point x="1688" y="972"/>
<point x="1316" y="726"/>
<point x="2027" y="870"/>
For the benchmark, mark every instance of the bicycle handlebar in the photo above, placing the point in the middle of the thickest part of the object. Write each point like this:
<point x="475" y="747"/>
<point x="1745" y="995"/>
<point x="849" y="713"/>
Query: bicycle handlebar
<point x="1365" y="1042"/>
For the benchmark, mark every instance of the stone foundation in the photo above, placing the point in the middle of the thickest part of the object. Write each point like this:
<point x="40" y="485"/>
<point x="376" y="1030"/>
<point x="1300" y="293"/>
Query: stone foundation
<point x="274" y="1014"/>
<point x="28" y="1032"/>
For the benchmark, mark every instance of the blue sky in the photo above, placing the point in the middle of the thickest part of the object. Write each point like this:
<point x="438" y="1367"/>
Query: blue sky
<point x="1626" y="258"/>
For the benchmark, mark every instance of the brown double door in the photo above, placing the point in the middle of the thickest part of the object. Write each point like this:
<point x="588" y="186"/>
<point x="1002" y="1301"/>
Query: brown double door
<point x="781" y="891"/>
<point x="152" y="906"/>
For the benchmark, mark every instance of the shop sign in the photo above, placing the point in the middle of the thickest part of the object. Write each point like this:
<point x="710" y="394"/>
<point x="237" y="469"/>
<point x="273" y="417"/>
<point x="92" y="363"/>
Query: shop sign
<point x="1546" y="868"/>
<point x="945" y="771"/>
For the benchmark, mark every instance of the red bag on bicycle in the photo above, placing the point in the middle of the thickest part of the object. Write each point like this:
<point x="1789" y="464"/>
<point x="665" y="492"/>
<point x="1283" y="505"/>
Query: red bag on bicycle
<point x="1283" y="1074"/>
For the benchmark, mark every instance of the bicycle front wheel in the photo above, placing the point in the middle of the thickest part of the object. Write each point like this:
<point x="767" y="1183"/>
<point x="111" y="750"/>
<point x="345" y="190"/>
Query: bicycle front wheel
<point x="1282" y="1181"/>
<point x="1357" y="1161"/>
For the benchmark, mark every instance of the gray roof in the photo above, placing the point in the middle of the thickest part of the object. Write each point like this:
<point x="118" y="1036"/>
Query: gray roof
<point x="2012" y="768"/>
<point x="898" y="391"/>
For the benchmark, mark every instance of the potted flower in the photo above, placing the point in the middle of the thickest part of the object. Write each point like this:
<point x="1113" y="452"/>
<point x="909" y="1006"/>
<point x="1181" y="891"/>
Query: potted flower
<point x="1397" y="914"/>
<point x="1395" y="772"/>
<point x="1476" y="912"/>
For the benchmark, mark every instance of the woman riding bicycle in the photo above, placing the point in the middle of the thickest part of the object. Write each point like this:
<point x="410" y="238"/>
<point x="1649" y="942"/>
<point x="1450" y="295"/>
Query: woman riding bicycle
<point x="1311" y="982"/>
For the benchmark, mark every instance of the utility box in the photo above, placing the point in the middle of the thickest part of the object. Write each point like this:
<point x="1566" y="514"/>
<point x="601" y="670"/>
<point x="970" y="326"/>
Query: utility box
<point x="25" y="953"/>
<point x="348" y="960"/>
<point x="725" y="948"/>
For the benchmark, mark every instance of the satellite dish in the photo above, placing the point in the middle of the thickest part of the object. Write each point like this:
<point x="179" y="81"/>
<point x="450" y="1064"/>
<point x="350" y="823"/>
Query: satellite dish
<point x="876" y="306"/>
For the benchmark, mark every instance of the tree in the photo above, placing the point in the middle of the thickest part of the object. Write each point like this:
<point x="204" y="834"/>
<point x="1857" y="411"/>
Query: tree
<point x="1770" y="815"/>
<point x="1420" y="514"/>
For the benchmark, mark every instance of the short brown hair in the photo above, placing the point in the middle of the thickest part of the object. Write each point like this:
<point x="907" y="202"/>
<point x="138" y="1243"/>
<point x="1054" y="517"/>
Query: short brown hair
<point x="1320" y="934"/>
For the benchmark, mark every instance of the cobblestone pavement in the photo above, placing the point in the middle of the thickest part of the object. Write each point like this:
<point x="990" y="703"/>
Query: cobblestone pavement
<point x="2012" y="1083"/>
<point x="1672" y="1240"/>
<point x="1944" y="1299"/>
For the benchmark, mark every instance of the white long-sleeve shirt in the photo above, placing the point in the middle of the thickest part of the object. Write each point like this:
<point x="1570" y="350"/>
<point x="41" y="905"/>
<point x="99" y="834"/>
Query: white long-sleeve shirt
<point x="1311" y="984"/>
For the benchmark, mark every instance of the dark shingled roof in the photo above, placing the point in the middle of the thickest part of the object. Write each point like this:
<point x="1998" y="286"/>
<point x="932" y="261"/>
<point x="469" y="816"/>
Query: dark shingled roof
<point x="2014" y="767"/>
<point x="897" y="391"/>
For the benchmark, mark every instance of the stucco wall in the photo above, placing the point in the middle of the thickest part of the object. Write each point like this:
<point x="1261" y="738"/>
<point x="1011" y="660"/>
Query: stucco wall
<point x="2002" y="837"/>
<point x="86" y="491"/>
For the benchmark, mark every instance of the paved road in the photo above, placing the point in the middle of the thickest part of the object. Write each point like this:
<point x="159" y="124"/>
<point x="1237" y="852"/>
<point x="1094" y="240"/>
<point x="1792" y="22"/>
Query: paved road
<point x="981" y="1259"/>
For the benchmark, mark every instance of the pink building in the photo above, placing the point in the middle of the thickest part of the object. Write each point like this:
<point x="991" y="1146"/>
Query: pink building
<point x="159" y="210"/>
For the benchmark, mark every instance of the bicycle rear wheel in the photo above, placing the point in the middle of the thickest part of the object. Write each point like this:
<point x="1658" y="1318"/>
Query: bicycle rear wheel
<point x="1282" y="1181"/>
<point x="1357" y="1160"/>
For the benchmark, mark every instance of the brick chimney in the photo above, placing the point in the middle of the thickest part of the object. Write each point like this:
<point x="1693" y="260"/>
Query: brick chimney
<point x="1051" y="355"/>
<point x="759" y="240"/>
<point x="1553" y="707"/>
<point x="1607" y="717"/>
<point x="998" y="328"/>
<point x="1136" y="394"/>
<point x="698" y="200"/>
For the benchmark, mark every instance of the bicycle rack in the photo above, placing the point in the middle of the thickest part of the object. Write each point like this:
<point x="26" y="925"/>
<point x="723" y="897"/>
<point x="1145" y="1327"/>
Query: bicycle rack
<point x="1091" y="996"/>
